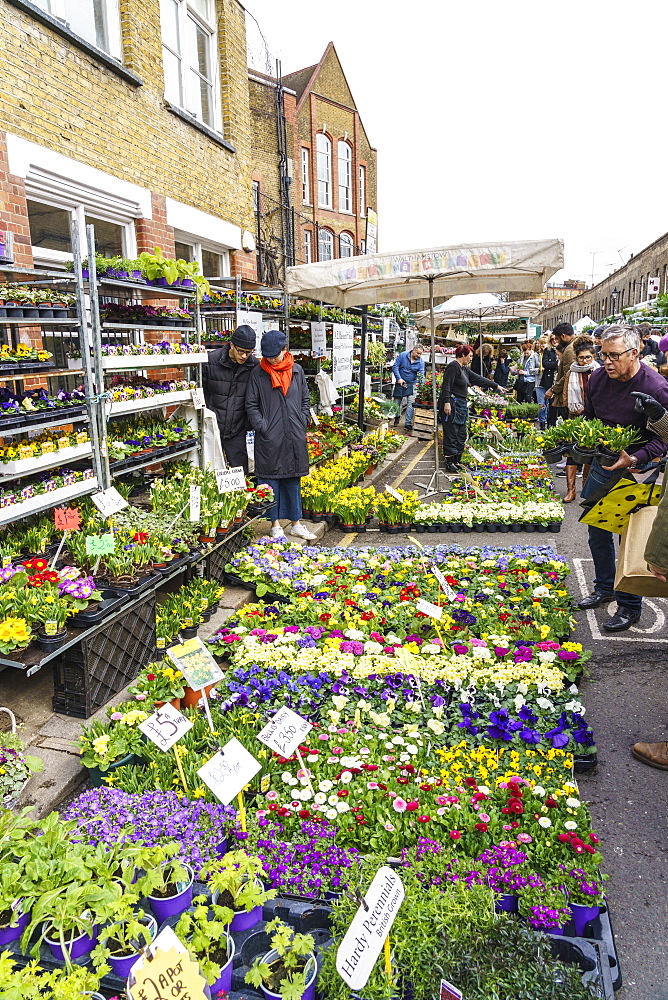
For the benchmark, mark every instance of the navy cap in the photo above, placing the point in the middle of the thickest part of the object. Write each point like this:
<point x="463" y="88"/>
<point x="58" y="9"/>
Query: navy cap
<point x="244" y="337"/>
<point x="273" y="342"/>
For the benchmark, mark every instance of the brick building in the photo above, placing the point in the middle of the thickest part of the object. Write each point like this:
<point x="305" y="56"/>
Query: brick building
<point x="334" y="169"/>
<point x="131" y="114"/>
<point x="568" y="289"/>
<point x="622" y="289"/>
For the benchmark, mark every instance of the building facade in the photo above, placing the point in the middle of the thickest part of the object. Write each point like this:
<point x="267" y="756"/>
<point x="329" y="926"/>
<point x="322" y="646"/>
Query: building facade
<point x="133" y="115"/>
<point x="568" y="289"/>
<point x="641" y="279"/>
<point x="334" y="185"/>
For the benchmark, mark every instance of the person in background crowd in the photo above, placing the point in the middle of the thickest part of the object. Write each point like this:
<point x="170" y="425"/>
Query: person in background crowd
<point x="225" y="381"/>
<point x="452" y="406"/>
<point x="549" y="362"/>
<point x="279" y="409"/>
<point x="502" y="370"/>
<point x="527" y="369"/>
<point x="609" y="396"/>
<point x="651" y="350"/>
<point x="585" y="363"/>
<point x="557" y="394"/>
<point x="656" y="554"/>
<point x="483" y="363"/>
<point x="408" y="371"/>
<point x="596" y="335"/>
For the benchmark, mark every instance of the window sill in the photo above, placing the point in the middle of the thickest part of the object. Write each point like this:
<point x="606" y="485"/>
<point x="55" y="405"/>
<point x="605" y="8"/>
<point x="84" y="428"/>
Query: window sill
<point x="61" y="29"/>
<point x="200" y="126"/>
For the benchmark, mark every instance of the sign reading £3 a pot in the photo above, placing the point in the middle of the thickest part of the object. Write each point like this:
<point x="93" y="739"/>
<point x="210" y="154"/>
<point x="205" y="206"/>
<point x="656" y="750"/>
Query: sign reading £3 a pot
<point x="369" y="929"/>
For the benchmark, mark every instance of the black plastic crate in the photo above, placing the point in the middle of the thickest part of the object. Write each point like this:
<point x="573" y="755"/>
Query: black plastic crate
<point x="87" y="675"/>
<point x="216" y="561"/>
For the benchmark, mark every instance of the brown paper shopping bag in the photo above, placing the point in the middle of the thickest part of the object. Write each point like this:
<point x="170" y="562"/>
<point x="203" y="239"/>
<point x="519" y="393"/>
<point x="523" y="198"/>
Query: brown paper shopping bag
<point x="632" y="575"/>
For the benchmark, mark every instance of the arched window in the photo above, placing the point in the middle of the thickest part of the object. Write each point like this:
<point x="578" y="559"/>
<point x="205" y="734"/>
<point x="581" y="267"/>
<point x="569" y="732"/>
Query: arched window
<point x="345" y="245"/>
<point x="345" y="177"/>
<point x="325" y="244"/>
<point x="324" y="156"/>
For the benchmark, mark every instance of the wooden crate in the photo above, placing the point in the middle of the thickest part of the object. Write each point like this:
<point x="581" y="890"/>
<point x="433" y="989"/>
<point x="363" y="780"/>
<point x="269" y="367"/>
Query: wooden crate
<point x="423" y="424"/>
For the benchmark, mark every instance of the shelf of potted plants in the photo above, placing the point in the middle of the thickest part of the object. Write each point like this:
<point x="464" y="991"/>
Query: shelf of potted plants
<point x="160" y="399"/>
<point x="123" y="362"/>
<point x="23" y="466"/>
<point x="148" y="326"/>
<point x="45" y="501"/>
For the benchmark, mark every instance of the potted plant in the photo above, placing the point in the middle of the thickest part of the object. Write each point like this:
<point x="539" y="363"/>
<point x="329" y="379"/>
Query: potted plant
<point x="615" y="440"/>
<point x="544" y="907"/>
<point x="235" y="883"/>
<point x="106" y="746"/>
<point x="168" y="885"/>
<point x="123" y="939"/>
<point x="208" y="941"/>
<point x="14" y="918"/>
<point x="585" y="895"/>
<point x="290" y="969"/>
<point x="67" y="918"/>
<point x="157" y="684"/>
<point x="16" y="766"/>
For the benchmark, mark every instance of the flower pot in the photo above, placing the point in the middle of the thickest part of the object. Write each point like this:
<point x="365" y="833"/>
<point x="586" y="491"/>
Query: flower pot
<point x="311" y="971"/>
<point x="506" y="902"/>
<point x="224" y="981"/>
<point x="420" y="528"/>
<point x="516" y="527"/>
<point x="583" y="456"/>
<point x="13" y="931"/>
<point x="188" y="633"/>
<point x="555" y="526"/>
<point x="553" y="455"/>
<point x="169" y="906"/>
<point x="503" y="527"/>
<point x="50" y="642"/>
<point x="97" y="776"/>
<point x="542" y="527"/>
<point x="528" y="526"/>
<point x="121" y="964"/>
<point x="175" y="702"/>
<point x="207" y="539"/>
<point x="77" y="946"/>
<point x="191" y="697"/>
<point x="432" y="528"/>
<point x="582" y="915"/>
<point x="244" y="920"/>
<point x="478" y="527"/>
<point x="606" y="456"/>
<point x="457" y="527"/>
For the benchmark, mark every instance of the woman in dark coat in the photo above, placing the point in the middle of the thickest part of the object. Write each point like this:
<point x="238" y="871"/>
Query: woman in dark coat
<point x="452" y="406"/>
<point x="279" y="409"/>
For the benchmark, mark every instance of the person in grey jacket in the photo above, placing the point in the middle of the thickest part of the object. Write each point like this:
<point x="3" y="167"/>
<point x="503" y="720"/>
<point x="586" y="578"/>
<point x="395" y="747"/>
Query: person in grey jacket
<point x="279" y="409"/>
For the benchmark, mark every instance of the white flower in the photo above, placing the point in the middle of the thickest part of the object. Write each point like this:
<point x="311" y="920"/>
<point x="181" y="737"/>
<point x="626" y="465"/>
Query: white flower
<point x="354" y="634"/>
<point x="303" y="780"/>
<point x="333" y="799"/>
<point x="293" y="781"/>
<point x="570" y="825"/>
<point x="286" y="777"/>
<point x="320" y="798"/>
<point x="331" y="814"/>
<point x="573" y="803"/>
<point x="326" y="785"/>
<point x="411" y="748"/>
<point x="312" y="758"/>
<point x="342" y="807"/>
<point x="547" y="656"/>
<point x="345" y="777"/>
<point x="575" y="706"/>
<point x="573" y="689"/>
<point x="523" y="688"/>
<point x="340" y="702"/>
<point x="544" y="703"/>
<point x="544" y="822"/>
<point x="538" y="790"/>
<point x="484" y="789"/>
<point x="436" y="727"/>
<point x="541" y="591"/>
<point x="398" y="741"/>
<point x="519" y="702"/>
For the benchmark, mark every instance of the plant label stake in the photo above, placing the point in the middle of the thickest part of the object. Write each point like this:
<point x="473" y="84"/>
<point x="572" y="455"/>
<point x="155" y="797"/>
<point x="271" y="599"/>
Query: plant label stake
<point x="229" y="480"/>
<point x="476" y="454"/>
<point x="443" y="583"/>
<point x="495" y="455"/>
<point x="242" y="811"/>
<point x="449" y="992"/>
<point x="182" y="511"/>
<point x="165" y="727"/>
<point x="198" y="398"/>
<point x="109" y="501"/>
<point x="284" y="734"/>
<point x="165" y="971"/>
<point x="228" y="772"/>
<point x="195" y="502"/>
<point x="198" y="667"/>
<point x="427" y="608"/>
<point x="388" y="958"/>
<point x="100" y="545"/>
<point x="393" y="493"/>
<point x="369" y="929"/>
<point x="314" y="417"/>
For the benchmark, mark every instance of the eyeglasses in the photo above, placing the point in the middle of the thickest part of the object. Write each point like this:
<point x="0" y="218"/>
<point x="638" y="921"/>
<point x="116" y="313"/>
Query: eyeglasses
<point x="616" y="355"/>
<point x="238" y="350"/>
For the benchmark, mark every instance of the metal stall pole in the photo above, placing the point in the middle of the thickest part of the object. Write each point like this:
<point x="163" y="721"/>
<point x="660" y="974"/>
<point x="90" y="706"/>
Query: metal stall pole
<point x="360" y="404"/>
<point x="92" y="390"/>
<point x="438" y="476"/>
<point x="96" y="341"/>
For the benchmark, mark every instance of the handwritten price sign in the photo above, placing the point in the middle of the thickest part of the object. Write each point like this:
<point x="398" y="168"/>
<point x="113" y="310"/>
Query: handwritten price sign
<point x="229" y="771"/>
<point x="165" y="727"/>
<point x="231" y="479"/>
<point x="100" y="545"/>
<point x="427" y="608"/>
<point x="109" y="502"/>
<point x="285" y="732"/>
<point x="66" y="519"/>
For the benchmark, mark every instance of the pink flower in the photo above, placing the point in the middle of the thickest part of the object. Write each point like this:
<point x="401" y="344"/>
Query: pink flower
<point x="389" y="827"/>
<point x="460" y="598"/>
<point x="116" y="716"/>
<point x="372" y="785"/>
<point x="399" y="804"/>
<point x="337" y="749"/>
<point x="140" y="697"/>
<point x="442" y="800"/>
<point x="484" y="818"/>
<point x="272" y="795"/>
<point x="506" y="826"/>
<point x="524" y="838"/>
<point x="440" y="812"/>
<point x="455" y="834"/>
<point x="477" y="642"/>
<point x="323" y="736"/>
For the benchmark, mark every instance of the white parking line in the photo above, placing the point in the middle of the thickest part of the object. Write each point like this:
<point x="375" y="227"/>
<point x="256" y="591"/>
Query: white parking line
<point x="658" y="606"/>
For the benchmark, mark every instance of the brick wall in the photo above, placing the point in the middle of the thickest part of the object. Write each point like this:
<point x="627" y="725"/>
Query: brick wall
<point x="13" y="210"/>
<point x="629" y="281"/>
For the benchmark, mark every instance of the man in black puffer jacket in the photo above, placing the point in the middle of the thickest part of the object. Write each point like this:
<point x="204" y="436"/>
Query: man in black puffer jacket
<point x="225" y="380"/>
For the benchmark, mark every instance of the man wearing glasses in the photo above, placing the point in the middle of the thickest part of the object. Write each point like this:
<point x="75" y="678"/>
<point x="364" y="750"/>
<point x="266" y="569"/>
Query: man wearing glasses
<point x="225" y="381"/>
<point x="610" y="397"/>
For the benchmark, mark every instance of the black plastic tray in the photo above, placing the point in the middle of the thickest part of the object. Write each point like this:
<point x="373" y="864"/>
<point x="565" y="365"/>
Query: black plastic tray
<point x="110" y="602"/>
<point x="138" y="588"/>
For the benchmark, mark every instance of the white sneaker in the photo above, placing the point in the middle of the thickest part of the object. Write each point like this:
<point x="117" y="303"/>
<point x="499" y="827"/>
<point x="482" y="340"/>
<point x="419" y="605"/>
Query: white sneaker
<point x="277" y="532"/>
<point x="300" y="531"/>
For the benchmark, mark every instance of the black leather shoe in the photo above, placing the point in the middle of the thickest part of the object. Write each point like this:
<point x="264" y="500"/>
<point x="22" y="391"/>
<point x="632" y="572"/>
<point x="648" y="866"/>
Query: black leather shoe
<point x="595" y="600"/>
<point x="621" y="620"/>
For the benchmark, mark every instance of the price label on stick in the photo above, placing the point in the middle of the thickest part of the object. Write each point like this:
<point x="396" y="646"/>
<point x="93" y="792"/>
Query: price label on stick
<point x="449" y="992"/>
<point x="468" y="478"/>
<point x="494" y="454"/>
<point x="66" y="518"/>
<point x="198" y="398"/>
<point x="109" y="501"/>
<point x="314" y="417"/>
<point x="195" y="503"/>
<point x="100" y="545"/>
<point x="165" y="727"/>
<point x="285" y="732"/>
<point x="196" y="664"/>
<point x="229" y="771"/>
<point x="231" y="479"/>
<point x="170" y="972"/>
<point x="427" y="608"/>
<point x="364" y="939"/>
<point x="393" y="493"/>
<point x="476" y="454"/>
<point x="443" y="583"/>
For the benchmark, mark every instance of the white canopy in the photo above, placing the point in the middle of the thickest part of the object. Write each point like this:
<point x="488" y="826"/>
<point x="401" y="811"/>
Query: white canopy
<point x="487" y="308"/>
<point x="394" y="277"/>
<point x="583" y="323"/>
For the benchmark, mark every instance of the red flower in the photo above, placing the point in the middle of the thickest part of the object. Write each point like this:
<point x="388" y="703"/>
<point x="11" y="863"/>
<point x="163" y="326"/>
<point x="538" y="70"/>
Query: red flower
<point x="478" y="797"/>
<point x="304" y="813"/>
<point x="273" y="806"/>
<point x="367" y="616"/>
<point x="515" y="806"/>
<point x="482" y="827"/>
<point x="423" y="819"/>
<point x="402" y="780"/>
<point x="551" y="803"/>
<point x="514" y="823"/>
<point x="324" y="617"/>
<point x="412" y="806"/>
<point x="594" y="839"/>
<point x="150" y="677"/>
<point x="283" y="811"/>
<point x="564" y="838"/>
<point x="343" y="793"/>
<point x="409" y="768"/>
<point x="372" y="767"/>
<point x="383" y="787"/>
<point x="471" y="782"/>
<point x="455" y="834"/>
<point x="589" y="849"/>
<point x="425" y="788"/>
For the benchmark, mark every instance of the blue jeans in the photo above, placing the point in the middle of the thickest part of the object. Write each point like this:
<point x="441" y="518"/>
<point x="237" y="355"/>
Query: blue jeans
<point x="544" y="406"/>
<point x="410" y="408"/>
<point x="287" y="498"/>
<point x="602" y="547"/>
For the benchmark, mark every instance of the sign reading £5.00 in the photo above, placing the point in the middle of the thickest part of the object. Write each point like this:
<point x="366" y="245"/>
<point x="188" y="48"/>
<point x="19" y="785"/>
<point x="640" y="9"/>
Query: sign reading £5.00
<point x="370" y="926"/>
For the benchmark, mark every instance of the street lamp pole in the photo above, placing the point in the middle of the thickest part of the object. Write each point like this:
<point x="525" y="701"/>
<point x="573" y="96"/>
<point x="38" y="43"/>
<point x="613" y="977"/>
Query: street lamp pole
<point x="613" y="295"/>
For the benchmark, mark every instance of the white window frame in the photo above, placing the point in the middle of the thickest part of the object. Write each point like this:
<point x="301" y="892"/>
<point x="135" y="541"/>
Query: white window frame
<point x="198" y="244"/>
<point x="308" y="246"/>
<point x="324" y="162"/>
<point x="361" y="194"/>
<point x="60" y="8"/>
<point x="346" y="239"/>
<point x="42" y="255"/>
<point x="325" y="232"/>
<point x="345" y="176"/>
<point x="186" y="10"/>
<point x="306" y="176"/>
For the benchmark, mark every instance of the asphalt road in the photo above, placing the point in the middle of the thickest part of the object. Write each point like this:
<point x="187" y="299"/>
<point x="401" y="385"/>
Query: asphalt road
<point x="626" y="695"/>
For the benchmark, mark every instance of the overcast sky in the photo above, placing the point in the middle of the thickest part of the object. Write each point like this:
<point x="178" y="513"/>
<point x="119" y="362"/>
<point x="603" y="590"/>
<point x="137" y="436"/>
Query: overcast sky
<point x="499" y="121"/>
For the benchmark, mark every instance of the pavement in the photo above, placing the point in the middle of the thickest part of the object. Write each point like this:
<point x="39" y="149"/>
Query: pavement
<point x="625" y="694"/>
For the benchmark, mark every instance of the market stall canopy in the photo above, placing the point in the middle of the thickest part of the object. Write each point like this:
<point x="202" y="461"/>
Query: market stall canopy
<point x="393" y="277"/>
<point x="584" y="323"/>
<point x="489" y="308"/>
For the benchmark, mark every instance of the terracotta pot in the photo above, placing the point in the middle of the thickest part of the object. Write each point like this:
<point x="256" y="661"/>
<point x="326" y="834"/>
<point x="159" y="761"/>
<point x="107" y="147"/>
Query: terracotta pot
<point x="176" y="702"/>
<point x="191" y="697"/>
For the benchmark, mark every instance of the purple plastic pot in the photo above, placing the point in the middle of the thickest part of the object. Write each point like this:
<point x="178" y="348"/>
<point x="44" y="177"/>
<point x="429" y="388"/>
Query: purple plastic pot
<point x="77" y="947"/>
<point x="221" y="849"/>
<point x="582" y="915"/>
<point x="224" y="981"/>
<point x="12" y="932"/>
<point x="171" y="905"/>
<point x="121" y="966"/>
<point x="506" y="902"/>
<point x="243" y="921"/>
<point x="555" y="930"/>
<point x="309" y="992"/>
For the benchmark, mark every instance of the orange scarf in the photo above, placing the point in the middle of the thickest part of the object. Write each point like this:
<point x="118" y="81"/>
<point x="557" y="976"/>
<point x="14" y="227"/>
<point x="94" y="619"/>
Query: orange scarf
<point x="281" y="374"/>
